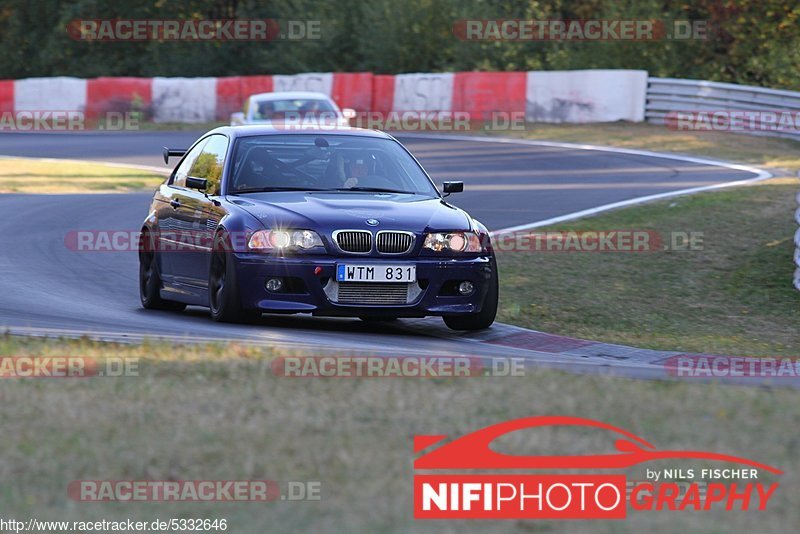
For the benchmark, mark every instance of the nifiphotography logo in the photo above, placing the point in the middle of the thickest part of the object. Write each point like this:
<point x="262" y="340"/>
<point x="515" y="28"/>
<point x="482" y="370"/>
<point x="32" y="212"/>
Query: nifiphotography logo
<point x="730" y="483"/>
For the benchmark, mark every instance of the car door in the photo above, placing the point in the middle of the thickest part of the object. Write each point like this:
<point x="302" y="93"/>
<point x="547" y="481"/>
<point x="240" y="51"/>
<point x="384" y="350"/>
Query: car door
<point x="171" y="225"/>
<point x="199" y="212"/>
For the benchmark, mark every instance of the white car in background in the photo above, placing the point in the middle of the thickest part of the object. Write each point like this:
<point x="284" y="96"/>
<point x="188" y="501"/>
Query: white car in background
<point x="292" y="107"/>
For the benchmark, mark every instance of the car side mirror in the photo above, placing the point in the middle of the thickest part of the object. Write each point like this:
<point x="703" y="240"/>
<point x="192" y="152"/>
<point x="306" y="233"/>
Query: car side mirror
<point x="169" y="152"/>
<point x="237" y="118"/>
<point x="453" y="187"/>
<point x="200" y="184"/>
<point x="349" y="113"/>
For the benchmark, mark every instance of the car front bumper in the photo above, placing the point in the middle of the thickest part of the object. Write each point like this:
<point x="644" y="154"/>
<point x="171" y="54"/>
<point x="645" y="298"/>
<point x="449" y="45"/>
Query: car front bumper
<point x="311" y="280"/>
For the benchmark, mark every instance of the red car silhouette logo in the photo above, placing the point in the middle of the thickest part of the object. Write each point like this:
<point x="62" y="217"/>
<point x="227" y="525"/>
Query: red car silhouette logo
<point x="473" y="451"/>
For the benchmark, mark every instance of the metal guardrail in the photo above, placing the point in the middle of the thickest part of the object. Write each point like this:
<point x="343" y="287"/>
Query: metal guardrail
<point x="665" y="95"/>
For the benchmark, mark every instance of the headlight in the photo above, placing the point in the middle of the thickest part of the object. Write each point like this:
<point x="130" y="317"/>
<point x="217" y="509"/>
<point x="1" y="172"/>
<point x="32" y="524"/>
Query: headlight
<point x="264" y="240"/>
<point x="454" y="242"/>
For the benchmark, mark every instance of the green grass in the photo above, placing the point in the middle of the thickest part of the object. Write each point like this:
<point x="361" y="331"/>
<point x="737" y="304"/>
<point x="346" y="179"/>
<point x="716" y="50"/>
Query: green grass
<point x="22" y="175"/>
<point x="735" y="296"/>
<point x="217" y="412"/>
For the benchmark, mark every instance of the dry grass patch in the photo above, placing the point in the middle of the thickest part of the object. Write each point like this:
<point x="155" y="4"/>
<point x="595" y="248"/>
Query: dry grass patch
<point x="22" y="175"/>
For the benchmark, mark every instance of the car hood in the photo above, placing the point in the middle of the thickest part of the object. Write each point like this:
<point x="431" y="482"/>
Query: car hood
<point x="326" y="212"/>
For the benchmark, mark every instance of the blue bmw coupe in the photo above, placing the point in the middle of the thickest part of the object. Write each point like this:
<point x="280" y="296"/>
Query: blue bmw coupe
<point x="344" y="223"/>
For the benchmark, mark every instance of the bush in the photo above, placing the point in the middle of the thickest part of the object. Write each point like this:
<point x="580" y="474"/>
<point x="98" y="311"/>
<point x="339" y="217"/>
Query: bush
<point x="753" y="42"/>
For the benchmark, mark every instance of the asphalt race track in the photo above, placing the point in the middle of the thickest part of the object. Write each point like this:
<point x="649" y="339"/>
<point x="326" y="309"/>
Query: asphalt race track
<point x="47" y="289"/>
<point x="506" y="185"/>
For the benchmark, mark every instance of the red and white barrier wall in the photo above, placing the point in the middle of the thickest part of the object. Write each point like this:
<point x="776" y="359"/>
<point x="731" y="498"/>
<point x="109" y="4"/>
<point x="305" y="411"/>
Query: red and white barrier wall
<point x="552" y="96"/>
<point x="586" y="95"/>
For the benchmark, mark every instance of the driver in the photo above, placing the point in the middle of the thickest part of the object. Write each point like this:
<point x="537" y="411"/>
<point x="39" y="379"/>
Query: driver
<point x="309" y="109"/>
<point x="347" y="172"/>
<point x="259" y="170"/>
<point x="265" y="110"/>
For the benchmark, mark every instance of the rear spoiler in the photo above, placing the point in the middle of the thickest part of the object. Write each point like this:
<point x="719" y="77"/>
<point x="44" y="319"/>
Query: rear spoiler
<point x="173" y="152"/>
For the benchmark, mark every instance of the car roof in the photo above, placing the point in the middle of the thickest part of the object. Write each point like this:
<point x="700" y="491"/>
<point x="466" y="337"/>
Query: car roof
<point x="249" y="130"/>
<point x="290" y="95"/>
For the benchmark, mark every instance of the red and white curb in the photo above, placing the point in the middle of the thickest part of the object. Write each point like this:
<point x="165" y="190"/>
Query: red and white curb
<point x="541" y="349"/>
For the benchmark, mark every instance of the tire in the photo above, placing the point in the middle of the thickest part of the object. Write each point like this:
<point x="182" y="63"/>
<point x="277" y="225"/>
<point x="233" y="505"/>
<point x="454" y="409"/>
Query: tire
<point x="484" y="318"/>
<point x="224" y="299"/>
<point x="150" y="281"/>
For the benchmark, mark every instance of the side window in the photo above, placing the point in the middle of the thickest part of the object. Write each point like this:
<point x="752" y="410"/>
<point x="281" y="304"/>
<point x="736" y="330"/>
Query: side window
<point x="183" y="169"/>
<point x="209" y="163"/>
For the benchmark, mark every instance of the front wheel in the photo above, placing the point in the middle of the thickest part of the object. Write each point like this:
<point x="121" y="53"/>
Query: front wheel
<point x="484" y="318"/>
<point x="223" y="290"/>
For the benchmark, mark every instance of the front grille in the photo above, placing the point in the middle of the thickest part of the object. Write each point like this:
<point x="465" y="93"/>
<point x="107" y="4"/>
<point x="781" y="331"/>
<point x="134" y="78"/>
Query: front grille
<point x="372" y="293"/>
<point x="358" y="241"/>
<point x="394" y="242"/>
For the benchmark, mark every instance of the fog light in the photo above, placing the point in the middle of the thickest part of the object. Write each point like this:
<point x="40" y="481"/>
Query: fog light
<point x="466" y="288"/>
<point x="274" y="284"/>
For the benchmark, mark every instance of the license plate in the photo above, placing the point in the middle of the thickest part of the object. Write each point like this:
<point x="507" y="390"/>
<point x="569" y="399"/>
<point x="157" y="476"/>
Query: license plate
<point x="348" y="272"/>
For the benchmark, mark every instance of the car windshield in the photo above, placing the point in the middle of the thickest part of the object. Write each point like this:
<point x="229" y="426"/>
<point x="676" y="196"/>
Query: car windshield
<point x="325" y="163"/>
<point x="305" y="108"/>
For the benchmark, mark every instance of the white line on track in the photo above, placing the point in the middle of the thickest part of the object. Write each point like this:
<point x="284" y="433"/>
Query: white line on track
<point x="761" y="174"/>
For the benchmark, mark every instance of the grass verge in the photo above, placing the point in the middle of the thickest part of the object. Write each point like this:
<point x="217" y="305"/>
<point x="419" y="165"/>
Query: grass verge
<point x="732" y="296"/>
<point x="218" y="412"/>
<point x="22" y="175"/>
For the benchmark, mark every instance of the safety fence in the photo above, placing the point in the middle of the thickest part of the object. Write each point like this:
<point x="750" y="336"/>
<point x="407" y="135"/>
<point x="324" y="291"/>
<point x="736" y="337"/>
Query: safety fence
<point x="703" y="105"/>
<point x="559" y="96"/>
<point x="578" y="96"/>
